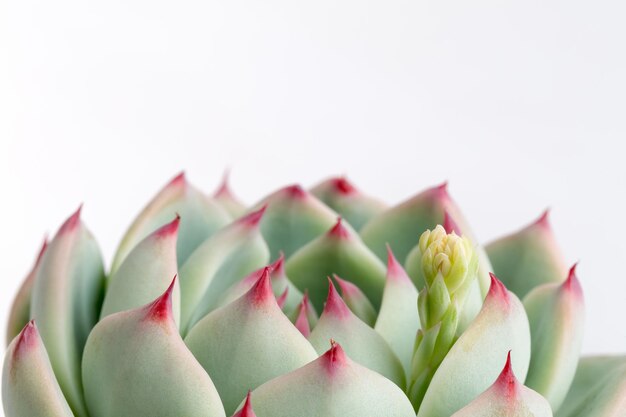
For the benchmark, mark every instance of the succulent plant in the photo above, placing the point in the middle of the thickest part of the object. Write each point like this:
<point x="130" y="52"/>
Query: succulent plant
<point x="321" y="303"/>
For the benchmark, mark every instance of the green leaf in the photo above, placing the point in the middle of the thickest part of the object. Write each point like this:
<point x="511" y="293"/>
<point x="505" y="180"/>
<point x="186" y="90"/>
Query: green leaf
<point x="136" y="364"/>
<point x="331" y="386"/>
<point x="29" y="387"/>
<point x="248" y="342"/>
<point x="66" y="301"/>
<point x="528" y="258"/>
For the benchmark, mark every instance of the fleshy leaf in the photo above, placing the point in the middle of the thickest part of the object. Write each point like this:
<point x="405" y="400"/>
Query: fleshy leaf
<point x="136" y="364"/>
<point x="360" y="341"/>
<point x="398" y="320"/>
<point x="225" y="198"/>
<point x="280" y="284"/>
<point x="20" y="310"/>
<point x="146" y="272"/>
<point x="357" y="301"/>
<point x="340" y="195"/>
<point x="293" y="218"/>
<point x="598" y="390"/>
<point x="29" y="387"/>
<point x="248" y="342"/>
<point x="475" y="360"/>
<point x="507" y="397"/>
<point x="66" y="301"/>
<point x="556" y="313"/>
<point x="528" y="258"/>
<point x="340" y="251"/>
<point x="223" y="259"/>
<point x="331" y="386"/>
<point x="200" y="215"/>
<point x="247" y="410"/>
<point x="304" y="316"/>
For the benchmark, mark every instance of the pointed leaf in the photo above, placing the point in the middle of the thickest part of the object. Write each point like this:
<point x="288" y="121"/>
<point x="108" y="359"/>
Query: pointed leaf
<point x="398" y="320"/>
<point x="341" y="252"/>
<point x="66" y="300"/>
<point x="248" y="342"/>
<point x="29" y="387"/>
<point x="331" y="386"/>
<point x="556" y="313"/>
<point x="136" y="364"/>
<point x="20" y="310"/>
<point x="145" y="274"/>
<point x="528" y="258"/>
<point x="507" y="398"/>
<point x="293" y="218"/>
<point x="360" y="341"/>
<point x="357" y="301"/>
<point x="340" y="195"/>
<point x="223" y="259"/>
<point x="474" y="361"/>
<point x="225" y="198"/>
<point x="200" y="215"/>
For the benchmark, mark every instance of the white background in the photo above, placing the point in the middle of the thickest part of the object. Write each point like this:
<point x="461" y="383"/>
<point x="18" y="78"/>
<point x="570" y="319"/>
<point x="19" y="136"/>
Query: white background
<point x="519" y="104"/>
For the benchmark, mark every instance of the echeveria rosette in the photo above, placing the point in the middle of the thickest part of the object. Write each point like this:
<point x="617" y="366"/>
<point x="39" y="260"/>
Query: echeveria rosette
<point x="238" y="335"/>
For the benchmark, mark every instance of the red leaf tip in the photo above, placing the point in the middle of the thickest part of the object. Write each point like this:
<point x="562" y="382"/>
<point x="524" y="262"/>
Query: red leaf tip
<point x="278" y="267"/>
<point x="572" y="284"/>
<point x="295" y="191"/>
<point x="161" y="308"/>
<point x="544" y="219"/>
<point x="335" y="357"/>
<point x="42" y="250"/>
<point x="254" y="218"/>
<point x="72" y="222"/>
<point x="178" y="180"/>
<point x="170" y="229"/>
<point x="506" y="380"/>
<point x="262" y="292"/>
<point x="343" y="186"/>
<point x="348" y="289"/>
<point x="283" y="298"/>
<point x="339" y="230"/>
<point x="442" y="189"/>
<point x="302" y="321"/>
<point x="395" y="271"/>
<point x="224" y="188"/>
<point x="449" y="224"/>
<point x="27" y="339"/>
<point x="497" y="290"/>
<point x="334" y="303"/>
<point x="246" y="410"/>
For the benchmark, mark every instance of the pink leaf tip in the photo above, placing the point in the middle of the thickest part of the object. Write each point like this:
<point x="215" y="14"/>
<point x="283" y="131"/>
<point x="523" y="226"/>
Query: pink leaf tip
<point x="72" y="222"/>
<point x="347" y="288"/>
<point x="507" y="382"/>
<point x="253" y="219"/>
<point x="170" y="229"/>
<point x="343" y="186"/>
<point x="395" y="271"/>
<point x="283" y="298"/>
<point x="334" y="303"/>
<point x="262" y="292"/>
<point x="224" y="188"/>
<point x="246" y="410"/>
<point x="442" y="189"/>
<point x="178" y="180"/>
<point x="42" y="250"/>
<point x="295" y="191"/>
<point x="449" y="224"/>
<point x="27" y="339"/>
<point x="572" y="284"/>
<point x="278" y="267"/>
<point x="339" y="230"/>
<point x="161" y="308"/>
<point x="544" y="219"/>
<point x="497" y="290"/>
<point x="335" y="357"/>
<point x="302" y="321"/>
